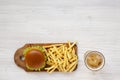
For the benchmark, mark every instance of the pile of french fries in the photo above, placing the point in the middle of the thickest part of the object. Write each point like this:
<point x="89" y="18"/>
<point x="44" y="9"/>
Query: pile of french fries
<point x="61" y="57"/>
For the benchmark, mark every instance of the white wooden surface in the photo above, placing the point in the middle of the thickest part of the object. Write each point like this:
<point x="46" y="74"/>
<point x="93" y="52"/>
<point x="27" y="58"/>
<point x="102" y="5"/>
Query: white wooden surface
<point x="94" y="24"/>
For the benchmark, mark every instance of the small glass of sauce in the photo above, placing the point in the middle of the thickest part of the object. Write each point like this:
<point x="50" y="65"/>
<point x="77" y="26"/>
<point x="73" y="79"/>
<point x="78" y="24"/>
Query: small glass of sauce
<point x="94" y="60"/>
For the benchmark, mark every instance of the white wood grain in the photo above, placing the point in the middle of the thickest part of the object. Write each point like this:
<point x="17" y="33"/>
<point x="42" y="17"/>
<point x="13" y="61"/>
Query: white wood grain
<point x="94" y="24"/>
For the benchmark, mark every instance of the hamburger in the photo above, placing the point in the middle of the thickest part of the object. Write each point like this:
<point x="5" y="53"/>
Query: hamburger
<point x="35" y="58"/>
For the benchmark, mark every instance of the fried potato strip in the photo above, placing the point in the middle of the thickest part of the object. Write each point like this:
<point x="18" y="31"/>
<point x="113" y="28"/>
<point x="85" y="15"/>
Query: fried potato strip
<point x="61" y="57"/>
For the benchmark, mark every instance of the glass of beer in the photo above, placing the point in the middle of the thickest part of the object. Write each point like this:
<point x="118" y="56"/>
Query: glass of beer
<point x="94" y="60"/>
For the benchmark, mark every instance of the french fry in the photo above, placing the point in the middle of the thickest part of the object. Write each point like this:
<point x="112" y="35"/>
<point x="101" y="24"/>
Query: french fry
<point x="61" y="57"/>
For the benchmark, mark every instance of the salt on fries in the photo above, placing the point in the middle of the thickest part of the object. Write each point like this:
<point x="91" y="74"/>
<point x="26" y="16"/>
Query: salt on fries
<point x="61" y="57"/>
